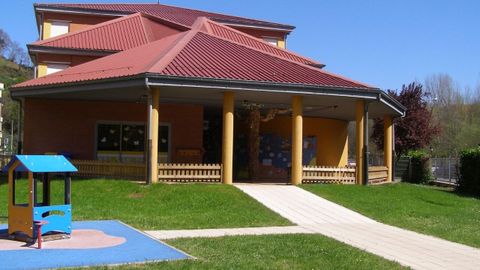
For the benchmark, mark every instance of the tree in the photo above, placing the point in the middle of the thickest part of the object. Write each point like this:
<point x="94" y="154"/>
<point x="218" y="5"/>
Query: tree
<point x="254" y="118"/>
<point x="414" y="131"/>
<point x="458" y="112"/>
<point x="4" y="41"/>
<point x="14" y="52"/>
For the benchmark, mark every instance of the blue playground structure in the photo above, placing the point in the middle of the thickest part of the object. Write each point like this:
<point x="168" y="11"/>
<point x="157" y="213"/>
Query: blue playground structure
<point x="28" y="217"/>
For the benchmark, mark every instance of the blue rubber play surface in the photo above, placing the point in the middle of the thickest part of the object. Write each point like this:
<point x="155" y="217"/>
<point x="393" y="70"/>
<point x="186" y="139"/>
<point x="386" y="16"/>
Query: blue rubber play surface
<point x="137" y="248"/>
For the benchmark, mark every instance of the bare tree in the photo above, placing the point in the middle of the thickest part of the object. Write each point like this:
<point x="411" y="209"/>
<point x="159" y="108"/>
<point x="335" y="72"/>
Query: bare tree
<point x="24" y="59"/>
<point x="458" y="112"/>
<point x="4" y="41"/>
<point x="14" y="52"/>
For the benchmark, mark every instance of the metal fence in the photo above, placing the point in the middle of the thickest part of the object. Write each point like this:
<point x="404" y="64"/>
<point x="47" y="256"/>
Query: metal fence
<point x="445" y="169"/>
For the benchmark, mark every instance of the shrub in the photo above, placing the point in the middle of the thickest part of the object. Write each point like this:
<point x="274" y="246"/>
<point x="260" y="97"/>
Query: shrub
<point x="469" y="171"/>
<point x="420" y="170"/>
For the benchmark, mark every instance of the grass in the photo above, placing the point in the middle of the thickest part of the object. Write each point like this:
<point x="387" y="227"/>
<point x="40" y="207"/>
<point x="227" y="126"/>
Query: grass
<point x="270" y="252"/>
<point x="160" y="206"/>
<point x="425" y="209"/>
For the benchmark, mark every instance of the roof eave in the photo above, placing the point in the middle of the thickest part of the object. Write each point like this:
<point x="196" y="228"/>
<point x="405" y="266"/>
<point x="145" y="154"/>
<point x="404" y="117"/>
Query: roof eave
<point x="73" y="10"/>
<point x="91" y="85"/>
<point x="153" y="79"/>
<point x="301" y="89"/>
<point x="283" y="27"/>
<point x="68" y="51"/>
<point x="86" y="11"/>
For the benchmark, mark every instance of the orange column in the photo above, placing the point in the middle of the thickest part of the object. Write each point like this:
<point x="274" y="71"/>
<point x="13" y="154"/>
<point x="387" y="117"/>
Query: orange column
<point x="153" y="122"/>
<point x="359" y="131"/>
<point x="388" y="145"/>
<point x="227" y="139"/>
<point x="297" y="140"/>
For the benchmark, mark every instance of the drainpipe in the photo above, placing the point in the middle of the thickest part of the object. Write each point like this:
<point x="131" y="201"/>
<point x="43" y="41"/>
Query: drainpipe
<point x="149" y="141"/>
<point x="366" y="153"/>
<point x="394" y="158"/>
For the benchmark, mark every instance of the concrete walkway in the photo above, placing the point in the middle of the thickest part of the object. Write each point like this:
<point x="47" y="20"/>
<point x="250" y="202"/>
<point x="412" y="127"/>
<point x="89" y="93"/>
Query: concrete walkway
<point x="318" y="215"/>
<point x="172" y="234"/>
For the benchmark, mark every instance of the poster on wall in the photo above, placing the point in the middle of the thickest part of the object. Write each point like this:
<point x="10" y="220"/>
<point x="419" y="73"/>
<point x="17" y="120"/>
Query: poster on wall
<point x="275" y="156"/>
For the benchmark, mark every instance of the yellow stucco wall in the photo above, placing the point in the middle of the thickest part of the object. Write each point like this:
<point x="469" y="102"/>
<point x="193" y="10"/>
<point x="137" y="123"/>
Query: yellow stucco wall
<point x="281" y="44"/>
<point x="47" y="26"/>
<point x="332" y="137"/>
<point x="41" y="70"/>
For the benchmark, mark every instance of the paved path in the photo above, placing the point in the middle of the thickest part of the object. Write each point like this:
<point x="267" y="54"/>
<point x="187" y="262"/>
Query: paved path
<point x="171" y="234"/>
<point x="316" y="214"/>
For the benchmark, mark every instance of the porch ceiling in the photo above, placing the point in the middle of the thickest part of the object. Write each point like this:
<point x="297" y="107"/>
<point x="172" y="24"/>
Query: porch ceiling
<point x="334" y="107"/>
<point x="326" y="106"/>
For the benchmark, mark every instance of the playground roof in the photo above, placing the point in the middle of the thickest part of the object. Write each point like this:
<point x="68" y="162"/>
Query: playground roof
<point x="41" y="163"/>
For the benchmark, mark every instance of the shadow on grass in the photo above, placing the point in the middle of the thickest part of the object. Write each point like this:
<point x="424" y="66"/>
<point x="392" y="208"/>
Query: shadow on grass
<point x="460" y="193"/>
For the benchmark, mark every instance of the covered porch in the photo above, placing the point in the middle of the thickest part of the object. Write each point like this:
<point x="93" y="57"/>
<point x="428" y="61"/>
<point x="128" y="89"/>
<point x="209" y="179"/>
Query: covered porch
<point x="176" y="77"/>
<point x="155" y="95"/>
<point x="302" y="104"/>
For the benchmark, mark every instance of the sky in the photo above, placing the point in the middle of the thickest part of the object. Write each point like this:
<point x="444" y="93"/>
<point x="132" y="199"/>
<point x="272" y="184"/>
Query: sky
<point x="383" y="43"/>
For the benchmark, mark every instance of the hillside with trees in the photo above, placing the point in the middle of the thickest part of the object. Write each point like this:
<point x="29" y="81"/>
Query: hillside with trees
<point x="15" y="67"/>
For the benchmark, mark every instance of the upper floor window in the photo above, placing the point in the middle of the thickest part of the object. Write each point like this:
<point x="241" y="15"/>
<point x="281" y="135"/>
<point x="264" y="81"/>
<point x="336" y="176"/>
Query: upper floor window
<point x="272" y="41"/>
<point x="59" y="28"/>
<point x="56" y="67"/>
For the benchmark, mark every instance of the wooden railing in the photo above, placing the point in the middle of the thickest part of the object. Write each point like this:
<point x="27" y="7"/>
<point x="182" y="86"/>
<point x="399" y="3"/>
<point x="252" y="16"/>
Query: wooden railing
<point x="377" y="174"/>
<point x="328" y="175"/>
<point x="168" y="172"/>
<point x="96" y="168"/>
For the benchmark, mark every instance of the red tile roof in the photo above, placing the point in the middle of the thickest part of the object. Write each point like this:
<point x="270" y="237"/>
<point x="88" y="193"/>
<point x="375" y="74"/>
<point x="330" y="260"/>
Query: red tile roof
<point x="199" y="54"/>
<point x="180" y="15"/>
<point x="253" y="42"/>
<point x="123" y="64"/>
<point x="115" y="35"/>
<point x="138" y="29"/>
<point x="228" y="60"/>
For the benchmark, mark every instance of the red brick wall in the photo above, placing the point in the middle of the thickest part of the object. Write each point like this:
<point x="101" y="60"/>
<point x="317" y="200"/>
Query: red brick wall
<point x="69" y="126"/>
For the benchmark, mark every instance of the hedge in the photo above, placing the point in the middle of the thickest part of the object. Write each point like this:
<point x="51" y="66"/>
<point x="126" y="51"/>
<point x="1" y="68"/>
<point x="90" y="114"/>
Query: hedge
<point x="420" y="170"/>
<point x="469" y="171"/>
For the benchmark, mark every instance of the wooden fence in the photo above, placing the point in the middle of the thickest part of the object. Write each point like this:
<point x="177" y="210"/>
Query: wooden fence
<point x="178" y="172"/>
<point x="377" y="174"/>
<point x="328" y="175"/>
<point x="168" y="172"/>
<point x="96" y="168"/>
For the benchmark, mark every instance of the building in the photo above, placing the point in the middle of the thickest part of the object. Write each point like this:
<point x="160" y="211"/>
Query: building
<point x="151" y="84"/>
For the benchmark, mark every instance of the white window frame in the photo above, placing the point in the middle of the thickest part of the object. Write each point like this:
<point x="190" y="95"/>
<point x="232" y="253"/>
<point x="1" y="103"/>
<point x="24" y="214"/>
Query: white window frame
<point x="271" y="40"/>
<point x="58" y="27"/>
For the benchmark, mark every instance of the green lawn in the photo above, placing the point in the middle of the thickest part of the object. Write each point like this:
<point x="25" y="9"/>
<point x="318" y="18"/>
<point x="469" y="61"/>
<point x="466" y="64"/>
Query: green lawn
<point x="270" y="252"/>
<point x="161" y="206"/>
<point x="425" y="209"/>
